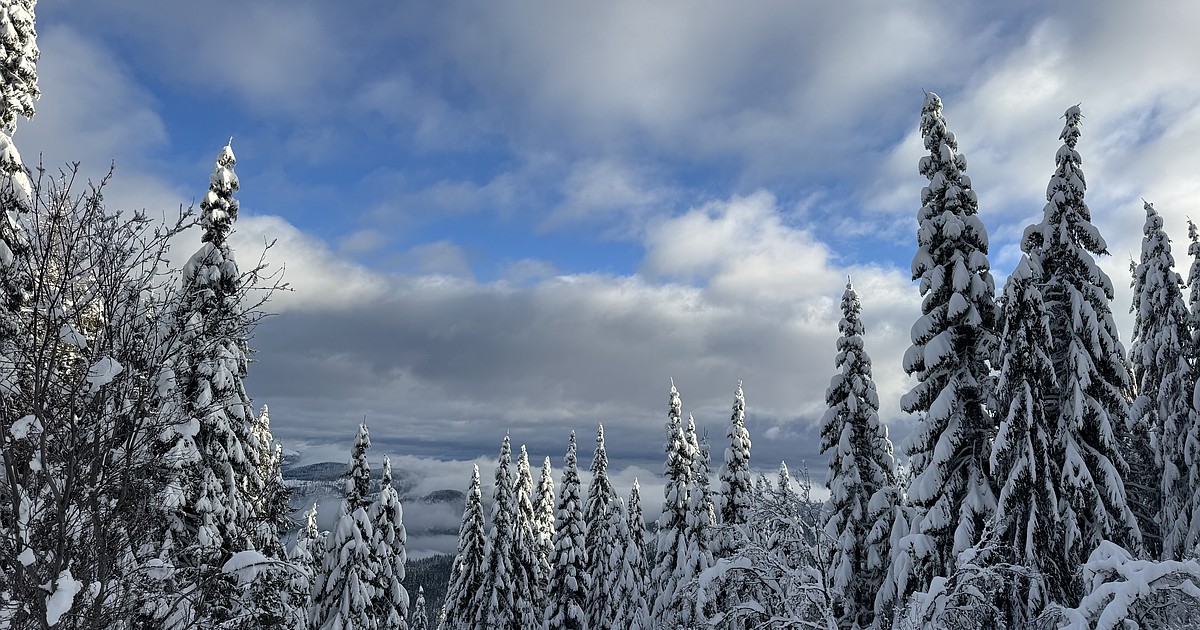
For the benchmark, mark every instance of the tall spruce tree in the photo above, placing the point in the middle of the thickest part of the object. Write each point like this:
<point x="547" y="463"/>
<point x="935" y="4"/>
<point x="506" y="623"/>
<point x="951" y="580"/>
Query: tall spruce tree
<point x="1161" y="413"/>
<point x="18" y="90"/>
<point x="860" y="465"/>
<point x="567" y="593"/>
<point x="1191" y="455"/>
<point x="629" y="573"/>
<point x="1027" y="454"/>
<point x="499" y="598"/>
<point x="220" y="504"/>
<point x="543" y="517"/>
<point x="600" y="540"/>
<point x="527" y="579"/>
<point x="671" y="562"/>
<point x="387" y="517"/>
<point x="951" y="344"/>
<point x="307" y="555"/>
<point x="1089" y="405"/>
<point x="700" y="514"/>
<point x="736" y="482"/>
<point x="344" y="594"/>
<point x="462" y="603"/>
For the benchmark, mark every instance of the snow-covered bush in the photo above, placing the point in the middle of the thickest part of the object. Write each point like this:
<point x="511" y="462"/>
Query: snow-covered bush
<point x="1126" y="593"/>
<point x="775" y="568"/>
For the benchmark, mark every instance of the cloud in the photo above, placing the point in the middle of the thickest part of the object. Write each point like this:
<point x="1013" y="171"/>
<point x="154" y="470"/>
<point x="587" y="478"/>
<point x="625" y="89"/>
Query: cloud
<point x="594" y="191"/>
<point x="274" y="56"/>
<point x="443" y="366"/>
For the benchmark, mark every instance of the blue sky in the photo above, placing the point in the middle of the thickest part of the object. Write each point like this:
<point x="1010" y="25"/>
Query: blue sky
<point x="529" y="216"/>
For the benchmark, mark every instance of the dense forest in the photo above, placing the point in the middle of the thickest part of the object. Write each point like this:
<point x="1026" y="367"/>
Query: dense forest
<point x="1053" y="479"/>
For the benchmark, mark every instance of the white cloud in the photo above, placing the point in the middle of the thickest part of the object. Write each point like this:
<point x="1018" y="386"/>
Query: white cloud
<point x="440" y="257"/>
<point x="594" y="191"/>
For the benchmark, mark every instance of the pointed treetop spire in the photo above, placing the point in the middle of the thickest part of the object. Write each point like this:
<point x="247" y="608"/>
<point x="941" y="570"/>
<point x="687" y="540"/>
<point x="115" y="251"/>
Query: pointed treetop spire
<point x="219" y="209"/>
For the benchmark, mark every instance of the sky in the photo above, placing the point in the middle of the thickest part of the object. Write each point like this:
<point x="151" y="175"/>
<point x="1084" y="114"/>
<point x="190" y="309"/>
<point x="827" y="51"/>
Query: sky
<point x="529" y="217"/>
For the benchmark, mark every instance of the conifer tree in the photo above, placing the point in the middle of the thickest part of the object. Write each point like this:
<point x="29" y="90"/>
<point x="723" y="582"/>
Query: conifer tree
<point x="1191" y="455"/>
<point x="527" y="580"/>
<point x="670" y="558"/>
<point x="1161" y="412"/>
<point x="499" y="609"/>
<point x="344" y="594"/>
<point x="1027" y="453"/>
<point x="18" y="91"/>
<point x="307" y="555"/>
<point x="217" y="467"/>
<point x="600" y="541"/>
<point x="700" y="512"/>
<point x="566" y="597"/>
<point x="783" y="481"/>
<point x="1090" y="405"/>
<point x="543" y="516"/>
<point x="951" y="344"/>
<point x="736" y="484"/>
<point x="631" y="594"/>
<point x="275" y="517"/>
<point x="860" y="465"/>
<point x="387" y="517"/>
<point x="466" y="574"/>
<point x="18" y="62"/>
<point x="420" y="618"/>
<point x="269" y="599"/>
<point x="358" y="474"/>
<point x="700" y="493"/>
<point x="627" y="606"/>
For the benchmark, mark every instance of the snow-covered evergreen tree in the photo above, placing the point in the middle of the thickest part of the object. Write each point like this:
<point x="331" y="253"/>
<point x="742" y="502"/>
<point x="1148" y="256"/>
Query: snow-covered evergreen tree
<point x="215" y="506"/>
<point x="543" y="520"/>
<point x="358" y="473"/>
<point x="951" y="344"/>
<point x="783" y="480"/>
<point x="499" y="600"/>
<point x="466" y="574"/>
<point x="1027" y="454"/>
<point x="307" y="556"/>
<point x="628" y="604"/>
<point x="275" y="517"/>
<point x="1191" y="456"/>
<point x="736" y="482"/>
<point x="701" y="515"/>
<point x="566" y="596"/>
<point x="1090" y="405"/>
<point x="18" y="90"/>
<point x="420" y="618"/>
<point x="18" y="62"/>
<point x="671" y="561"/>
<point x="1160" y="415"/>
<point x="344" y="595"/>
<point x="527" y="579"/>
<point x="860" y="465"/>
<point x="387" y="517"/>
<point x="600" y="541"/>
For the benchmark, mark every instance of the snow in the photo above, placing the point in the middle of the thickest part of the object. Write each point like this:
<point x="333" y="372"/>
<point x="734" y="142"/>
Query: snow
<point x="20" y="429"/>
<point x="246" y="565"/>
<point x="70" y="336"/>
<point x="59" y="602"/>
<point x="26" y="558"/>
<point x="103" y="372"/>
